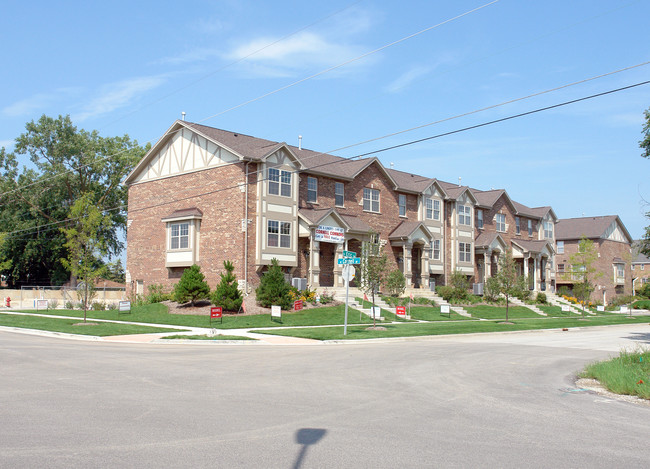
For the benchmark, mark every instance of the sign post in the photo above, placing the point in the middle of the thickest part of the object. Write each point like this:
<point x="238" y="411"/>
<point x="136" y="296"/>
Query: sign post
<point x="216" y="312"/>
<point x="348" y="276"/>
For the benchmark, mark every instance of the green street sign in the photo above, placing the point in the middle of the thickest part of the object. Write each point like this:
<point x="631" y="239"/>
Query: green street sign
<point x="349" y="254"/>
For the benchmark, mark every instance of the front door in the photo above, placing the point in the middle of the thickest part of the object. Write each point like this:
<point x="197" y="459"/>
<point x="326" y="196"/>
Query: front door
<point x="416" y="262"/>
<point x="327" y="252"/>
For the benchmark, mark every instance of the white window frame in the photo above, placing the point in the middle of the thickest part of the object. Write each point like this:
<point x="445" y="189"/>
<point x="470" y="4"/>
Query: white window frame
<point x="312" y="189"/>
<point x="560" y="247"/>
<point x="464" y="252"/>
<point x="464" y="214"/>
<point x="500" y="220"/>
<point x="517" y="225"/>
<point x="371" y="200"/>
<point x="279" y="182"/>
<point x="278" y="234"/>
<point x="479" y="218"/>
<point x="339" y="193"/>
<point x="182" y="234"/>
<point x="620" y="270"/>
<point x="436" y="250"/>
<point x="548" y="230"/>
<point x="401" y="201"/>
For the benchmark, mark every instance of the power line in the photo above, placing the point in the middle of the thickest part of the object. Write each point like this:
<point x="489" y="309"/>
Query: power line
<point x="412" y="142"/>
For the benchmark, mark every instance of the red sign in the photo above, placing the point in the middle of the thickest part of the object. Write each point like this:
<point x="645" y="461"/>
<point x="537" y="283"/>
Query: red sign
<point x="215" y="312"/>
<point x="400" y="310"/>
<point x="297" y="305"/>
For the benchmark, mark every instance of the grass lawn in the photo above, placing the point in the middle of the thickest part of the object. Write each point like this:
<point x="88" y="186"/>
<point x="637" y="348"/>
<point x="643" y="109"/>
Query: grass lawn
<point x="101" y="329"/>
<point x="499" y="312"/>
<point x="629" y="373"/>
<point x="209" y="337"/>
<point x="158" y="314"/>
<point x="428" y="313"/>
<point x="446" y="327"/>
<point x="556" y="311"/>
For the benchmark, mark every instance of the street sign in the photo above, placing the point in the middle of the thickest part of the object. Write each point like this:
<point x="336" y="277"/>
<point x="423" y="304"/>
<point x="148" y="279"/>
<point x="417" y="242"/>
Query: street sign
<point x="348" y="273"/>
<point x="349" y="254"/>
<point x="349" y="260"/>
<point x="400" y="311"/>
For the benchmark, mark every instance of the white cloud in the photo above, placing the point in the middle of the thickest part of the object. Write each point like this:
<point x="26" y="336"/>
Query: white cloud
<point x="406" y="79"/>
<point x="37" y="103"/>
<point x="118" y="95"/>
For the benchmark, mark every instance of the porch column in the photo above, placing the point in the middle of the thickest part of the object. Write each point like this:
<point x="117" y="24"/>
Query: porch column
<point x="314" y="262"/>
<point x="408" y="270"/>
<point x="338" y="269"/>
<point x="426" y="252"/>
<point x="538" y="276"/>
<point x="487" y="265"/>
<point x="526" y="267"/>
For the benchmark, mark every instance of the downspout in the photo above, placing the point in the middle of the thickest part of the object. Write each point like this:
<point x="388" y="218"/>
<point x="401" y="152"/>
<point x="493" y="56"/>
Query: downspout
<point x="246" y="234"/>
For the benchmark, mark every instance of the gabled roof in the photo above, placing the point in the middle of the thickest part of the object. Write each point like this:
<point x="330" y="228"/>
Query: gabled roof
<point x="407" y="228"/>
<point x="313" y="216"/>
<point x="184" y="214"/>
<point x="537" y="212"/>
<point x="589" y="227"/>
<point x="454" y="191"/>
<point x="639" y="257"/>
<point x="487" y="199"/>
<point x="487" y="239"/>
<point x="533" y="246"/>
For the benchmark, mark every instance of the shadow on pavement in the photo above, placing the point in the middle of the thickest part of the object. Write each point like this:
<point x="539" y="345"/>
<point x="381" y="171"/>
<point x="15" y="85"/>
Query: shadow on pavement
<point x="307" y="437"/>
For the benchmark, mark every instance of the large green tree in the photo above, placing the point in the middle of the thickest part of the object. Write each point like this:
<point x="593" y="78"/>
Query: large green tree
<point x="64" y="164"/>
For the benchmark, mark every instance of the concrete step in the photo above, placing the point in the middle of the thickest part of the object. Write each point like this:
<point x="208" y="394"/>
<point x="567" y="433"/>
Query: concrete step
<point x="556" y="300"/>
<point x="535" y="309"/>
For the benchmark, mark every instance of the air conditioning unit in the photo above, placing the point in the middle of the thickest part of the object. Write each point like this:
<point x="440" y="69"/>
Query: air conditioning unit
<point x="478" y="289"/>
<point x="299" y="283"/>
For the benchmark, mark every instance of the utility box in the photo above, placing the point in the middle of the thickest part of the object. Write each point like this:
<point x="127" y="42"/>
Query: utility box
<point x="478" y="289"/>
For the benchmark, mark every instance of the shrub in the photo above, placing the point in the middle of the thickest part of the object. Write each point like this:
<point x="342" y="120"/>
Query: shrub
<point x="446" y="292"/>
<point x="460" y="284"/>
<point x="564" y="291"/>
<point x="192" y="286"/>
<point x="622" y="300"/>
<point x="644" y="291"/>
<point x="326" y="298"/>
<point x="111" y="306"/>
<point x="54" y="304"/>
<point x="491" y="290"/>
<point x="274" y="289"/>
<point x="69" y="305"/>
<point x="395" y="283"/>
<point x="522" y="291"/>
<point x="97" y="306"/>
<point x="541" y="298"/>
<point x="227" y="295"/>
<point x="156" y="294"/>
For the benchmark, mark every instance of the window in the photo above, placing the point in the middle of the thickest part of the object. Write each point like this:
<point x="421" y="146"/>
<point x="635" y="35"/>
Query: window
<point x="402" y="205"/>
<point x="479" y="218"/>
<point x="530" y="227"/>
<point x="279" y="234"/>
<point x="464" y="215"/>
<point x="312" y="189"/>
<point x="620" y="270"/>
<point x="279" y="182"/>
<point x="548" y="230"/>
<point x="560" y="268"/>
<point x="518" y="225"/>
<point x="501" y="222"/>
<point x="560" y="247"/>
<point x="180" y="236"/>
<point x="339" y="194"/>
<point x="432" y="209"/>
<point x="436" y="249"/>
<point x="642" y="266"/>
<point x="464" y="252"/>
<point x="436" y="210"/>
<point x="371" y="200"/>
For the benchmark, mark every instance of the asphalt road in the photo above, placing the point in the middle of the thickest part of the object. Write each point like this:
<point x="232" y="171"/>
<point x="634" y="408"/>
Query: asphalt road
<point x="499" y="400"/>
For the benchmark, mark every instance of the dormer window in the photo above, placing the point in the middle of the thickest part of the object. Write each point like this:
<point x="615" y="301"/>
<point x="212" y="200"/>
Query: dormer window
<point x="464" y="215"/>
<point x="279" y="182"/>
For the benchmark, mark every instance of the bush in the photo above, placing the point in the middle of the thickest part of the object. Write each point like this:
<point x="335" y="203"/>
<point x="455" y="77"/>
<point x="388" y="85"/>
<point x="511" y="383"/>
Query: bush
<point x="491" y="290"/>
<point x="97" y="306"/>
<point x="622" y="300"/>
<point x="227" y="295"/>
<point x="644" y="291"/>
<point x="564" y="291"/>
<point x="69" y="305"/>
<point x="541" y="298"/>
<point x="156" y="294"/>
<point x="274" y="289"/>
<point x="191" y="287"/>
<point x="522" y="290"/>
<point x="446" y="292"/>
<point x="111" y="306"/>
<point x="395" y="283"/>
<point x="326" y="298"/>
<point x="54" y="304"/>
<point x="460" y="284"/>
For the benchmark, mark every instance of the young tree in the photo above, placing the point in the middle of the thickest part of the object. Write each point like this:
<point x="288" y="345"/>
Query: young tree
<point x="67" y="163"/>
<point x="227" y="295"/>
<point x="274" y="289"/>
<point x="396" y="283"/>
<point x="192" y="286"/>
<point x="645" y="146"/>
<point x="507" y="278"/>
<point x="373" y="268"/>
<point x="583" y="271"/>
<point x="85" y="247"/>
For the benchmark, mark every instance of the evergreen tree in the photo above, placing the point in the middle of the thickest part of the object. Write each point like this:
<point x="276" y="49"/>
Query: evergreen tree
<point x="192" y="286"/>
<point x="227" y="295"/>
<point x="274" y="289"/>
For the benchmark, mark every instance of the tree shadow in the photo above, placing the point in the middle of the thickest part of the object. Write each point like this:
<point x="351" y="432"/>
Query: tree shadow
<point x="643" y="337"/>
<point x="307" y="437"/>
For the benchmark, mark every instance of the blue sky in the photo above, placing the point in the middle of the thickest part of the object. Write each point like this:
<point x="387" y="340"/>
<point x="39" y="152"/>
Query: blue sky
<point x="133" y="67"/>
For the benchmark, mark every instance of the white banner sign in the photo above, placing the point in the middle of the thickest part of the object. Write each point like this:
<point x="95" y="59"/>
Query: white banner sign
<point x="329" y="234"/>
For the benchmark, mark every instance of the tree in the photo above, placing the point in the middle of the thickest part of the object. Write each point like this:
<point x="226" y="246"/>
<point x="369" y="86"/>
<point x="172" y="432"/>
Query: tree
<point x="396" y="283"/>
<point x="645" y="146"/>
<point x="227" y="295"/>
<point x="192" y="286"/>
<point x="85" y="247"/>
<point x="373" y="268"/>
<point x="507" y="281"/>
<point x="583" y="271"/>
<point x="273" y="288"/>
<point x="66" y="163"/>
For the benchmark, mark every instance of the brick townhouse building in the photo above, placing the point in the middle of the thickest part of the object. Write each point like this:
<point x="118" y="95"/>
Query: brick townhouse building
<point x="204" y="195"/>
<point x="640" y="266"/>
<point x="614" y="249"/>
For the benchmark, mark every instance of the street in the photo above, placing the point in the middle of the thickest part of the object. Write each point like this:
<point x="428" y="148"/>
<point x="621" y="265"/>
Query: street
<point x="488" y="400"/>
